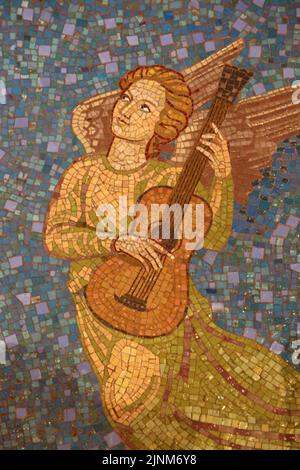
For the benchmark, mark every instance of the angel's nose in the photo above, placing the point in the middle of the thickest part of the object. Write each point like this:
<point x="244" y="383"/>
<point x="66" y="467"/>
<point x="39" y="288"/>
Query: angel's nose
<point x="128" y="110"/>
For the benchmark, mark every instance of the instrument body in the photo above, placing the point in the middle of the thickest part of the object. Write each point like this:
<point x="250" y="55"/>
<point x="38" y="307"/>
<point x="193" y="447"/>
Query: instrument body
<point x="167" y="301"/>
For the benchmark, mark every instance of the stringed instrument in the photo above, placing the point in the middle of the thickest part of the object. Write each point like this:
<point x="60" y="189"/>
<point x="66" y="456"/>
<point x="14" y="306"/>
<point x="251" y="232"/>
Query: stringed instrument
<point x="152" y="303"/>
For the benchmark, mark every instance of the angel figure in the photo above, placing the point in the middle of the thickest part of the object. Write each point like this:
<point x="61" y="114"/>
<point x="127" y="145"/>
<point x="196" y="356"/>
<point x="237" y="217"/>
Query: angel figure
<point x="198" y="387"/>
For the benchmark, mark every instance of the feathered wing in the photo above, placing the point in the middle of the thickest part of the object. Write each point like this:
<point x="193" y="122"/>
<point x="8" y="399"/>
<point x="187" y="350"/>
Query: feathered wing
<point x="254" y="127"/>
<point x="91" y="120"/>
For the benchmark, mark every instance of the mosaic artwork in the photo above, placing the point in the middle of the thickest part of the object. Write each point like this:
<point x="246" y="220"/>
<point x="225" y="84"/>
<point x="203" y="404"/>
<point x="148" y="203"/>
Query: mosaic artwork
<point x="125" y="325"/>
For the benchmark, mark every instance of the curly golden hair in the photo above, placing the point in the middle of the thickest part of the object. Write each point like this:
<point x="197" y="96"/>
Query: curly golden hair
<point x="179" y="105"/>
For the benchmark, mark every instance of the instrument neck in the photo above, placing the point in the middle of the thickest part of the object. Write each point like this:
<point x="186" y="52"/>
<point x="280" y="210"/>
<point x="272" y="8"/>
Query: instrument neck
<point x="194" y="166"/>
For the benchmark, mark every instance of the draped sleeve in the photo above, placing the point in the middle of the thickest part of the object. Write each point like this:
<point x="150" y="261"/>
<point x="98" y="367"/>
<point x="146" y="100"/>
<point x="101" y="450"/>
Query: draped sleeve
<point x="66" y="233"/>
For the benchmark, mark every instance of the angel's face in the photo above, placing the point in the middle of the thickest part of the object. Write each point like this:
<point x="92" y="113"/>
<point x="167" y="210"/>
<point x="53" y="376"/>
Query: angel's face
<point x="137" y="111"/>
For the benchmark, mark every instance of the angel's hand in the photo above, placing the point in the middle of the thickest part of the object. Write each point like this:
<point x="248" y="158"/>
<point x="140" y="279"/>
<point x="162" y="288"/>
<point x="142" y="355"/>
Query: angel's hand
<point x="215" y="148"/>
<point x="146" y="251"/>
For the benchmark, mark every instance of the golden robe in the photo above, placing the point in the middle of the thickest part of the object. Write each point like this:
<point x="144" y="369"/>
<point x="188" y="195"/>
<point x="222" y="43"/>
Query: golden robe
<point x="199" y="387"/>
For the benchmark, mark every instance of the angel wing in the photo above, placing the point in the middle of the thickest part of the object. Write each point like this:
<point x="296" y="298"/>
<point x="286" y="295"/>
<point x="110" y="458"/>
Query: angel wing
<point x="91" y="119"/>
<point x="253" y="128"/>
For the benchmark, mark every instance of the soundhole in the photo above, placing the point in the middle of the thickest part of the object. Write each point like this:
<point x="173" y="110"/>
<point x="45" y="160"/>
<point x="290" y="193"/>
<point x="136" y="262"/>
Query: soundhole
<point x="132" y="302"/>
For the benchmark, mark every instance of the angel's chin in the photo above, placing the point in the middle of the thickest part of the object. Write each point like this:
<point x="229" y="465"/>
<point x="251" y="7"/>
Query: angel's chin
<point x="123" y="134"/>
<point x="118" y="131"/>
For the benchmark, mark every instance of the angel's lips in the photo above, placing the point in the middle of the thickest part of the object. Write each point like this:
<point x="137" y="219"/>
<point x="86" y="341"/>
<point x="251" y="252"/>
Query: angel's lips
<point x="122" y="121"/>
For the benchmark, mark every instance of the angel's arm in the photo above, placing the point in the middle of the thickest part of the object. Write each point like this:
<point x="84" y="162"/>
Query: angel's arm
<point x="221" y="202"/>
<point x="220" y="197"/>
<point x="66" y="234"/>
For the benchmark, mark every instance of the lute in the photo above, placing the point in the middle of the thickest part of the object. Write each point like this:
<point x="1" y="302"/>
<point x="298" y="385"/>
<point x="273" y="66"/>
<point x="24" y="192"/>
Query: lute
<point x="152" y="303"/>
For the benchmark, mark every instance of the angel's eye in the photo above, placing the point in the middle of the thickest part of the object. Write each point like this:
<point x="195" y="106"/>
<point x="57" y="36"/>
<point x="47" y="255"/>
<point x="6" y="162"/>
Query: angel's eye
<point x="144" y="107"/>
<point x="125" y="97"/>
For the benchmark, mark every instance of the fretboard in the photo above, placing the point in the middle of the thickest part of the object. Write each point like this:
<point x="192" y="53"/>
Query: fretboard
<point x="193" y="168"/>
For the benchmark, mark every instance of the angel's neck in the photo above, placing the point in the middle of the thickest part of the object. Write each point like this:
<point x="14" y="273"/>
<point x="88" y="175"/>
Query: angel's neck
<point x="126" y="155"/>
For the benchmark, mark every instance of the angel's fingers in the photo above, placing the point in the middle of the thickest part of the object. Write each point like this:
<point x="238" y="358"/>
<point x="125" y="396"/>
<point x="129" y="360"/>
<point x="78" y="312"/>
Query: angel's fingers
<point x="139" y="258"/>
<point x="222" y="145"/>
<point x="214" y="147"/>
<point x="215" y="139"/>
<point x="204" y="151"/>
<point x="153" y="257"/>
<point x="217" y="131"/>
<point x="157" y="246"/>
<point x="210" y="136"/>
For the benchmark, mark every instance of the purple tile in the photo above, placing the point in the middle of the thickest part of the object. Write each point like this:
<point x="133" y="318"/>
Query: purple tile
<point x="10" y="205"/>
<point x="142" y="60"/>
<point x="35" y="374"/>
<point x="21" y="413"/>
<point x="112" y="439"/>
<point x="70" y="78"/>
<point x="53" y="147"/>
<point x="276" y="347"/>
<point x="132" y="40"/>
<point x="292" y="221"/>
<point x="69" y="29"/>
<point x="63" y="446"/>
<point x="233" y="277"/>
<point x="250" y="333"/>
<point x="45" y="15"/>
<point x="37" y="227"/>
<point x="24" y="298"/>
<point x="84" y="368"/>
<point x="44" y="81"/>
<point x="259" y="3"/>
<point x="259" y="88"/>
<point x="219" y="8"/>
<point x="266" y="296"/>
<point x="110" y="23"/>
<point x="209" y="46"/>
<point x="210" y="257"/>
<point x="11" y="341"/>
<point x="69" y="414"/>
<point x="63" y="341"/>
<point x="182" y="53"/>
<point x="217" y="306"/>
<point x="27" y="14"/>
<point x="255" y="51"/>
<point x="281" y="231"/>
<point x="239" y="25"/>
<point x="257" y="252"/>
<point x="288" y="72"/>
<point x="295" y="267"/>
<point x="21" y="122"/>
<point x="44" y="51"/>
<point x="15" y="261"/>
<point x="166" y="39"/>
<point x="104" y="57"/>
<point x="42" y="308"/>
<point x="241" y="6"/>
<point x="198" y="38"/>
<point x="112" y="67"/>
<point x="282" y="28"/>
